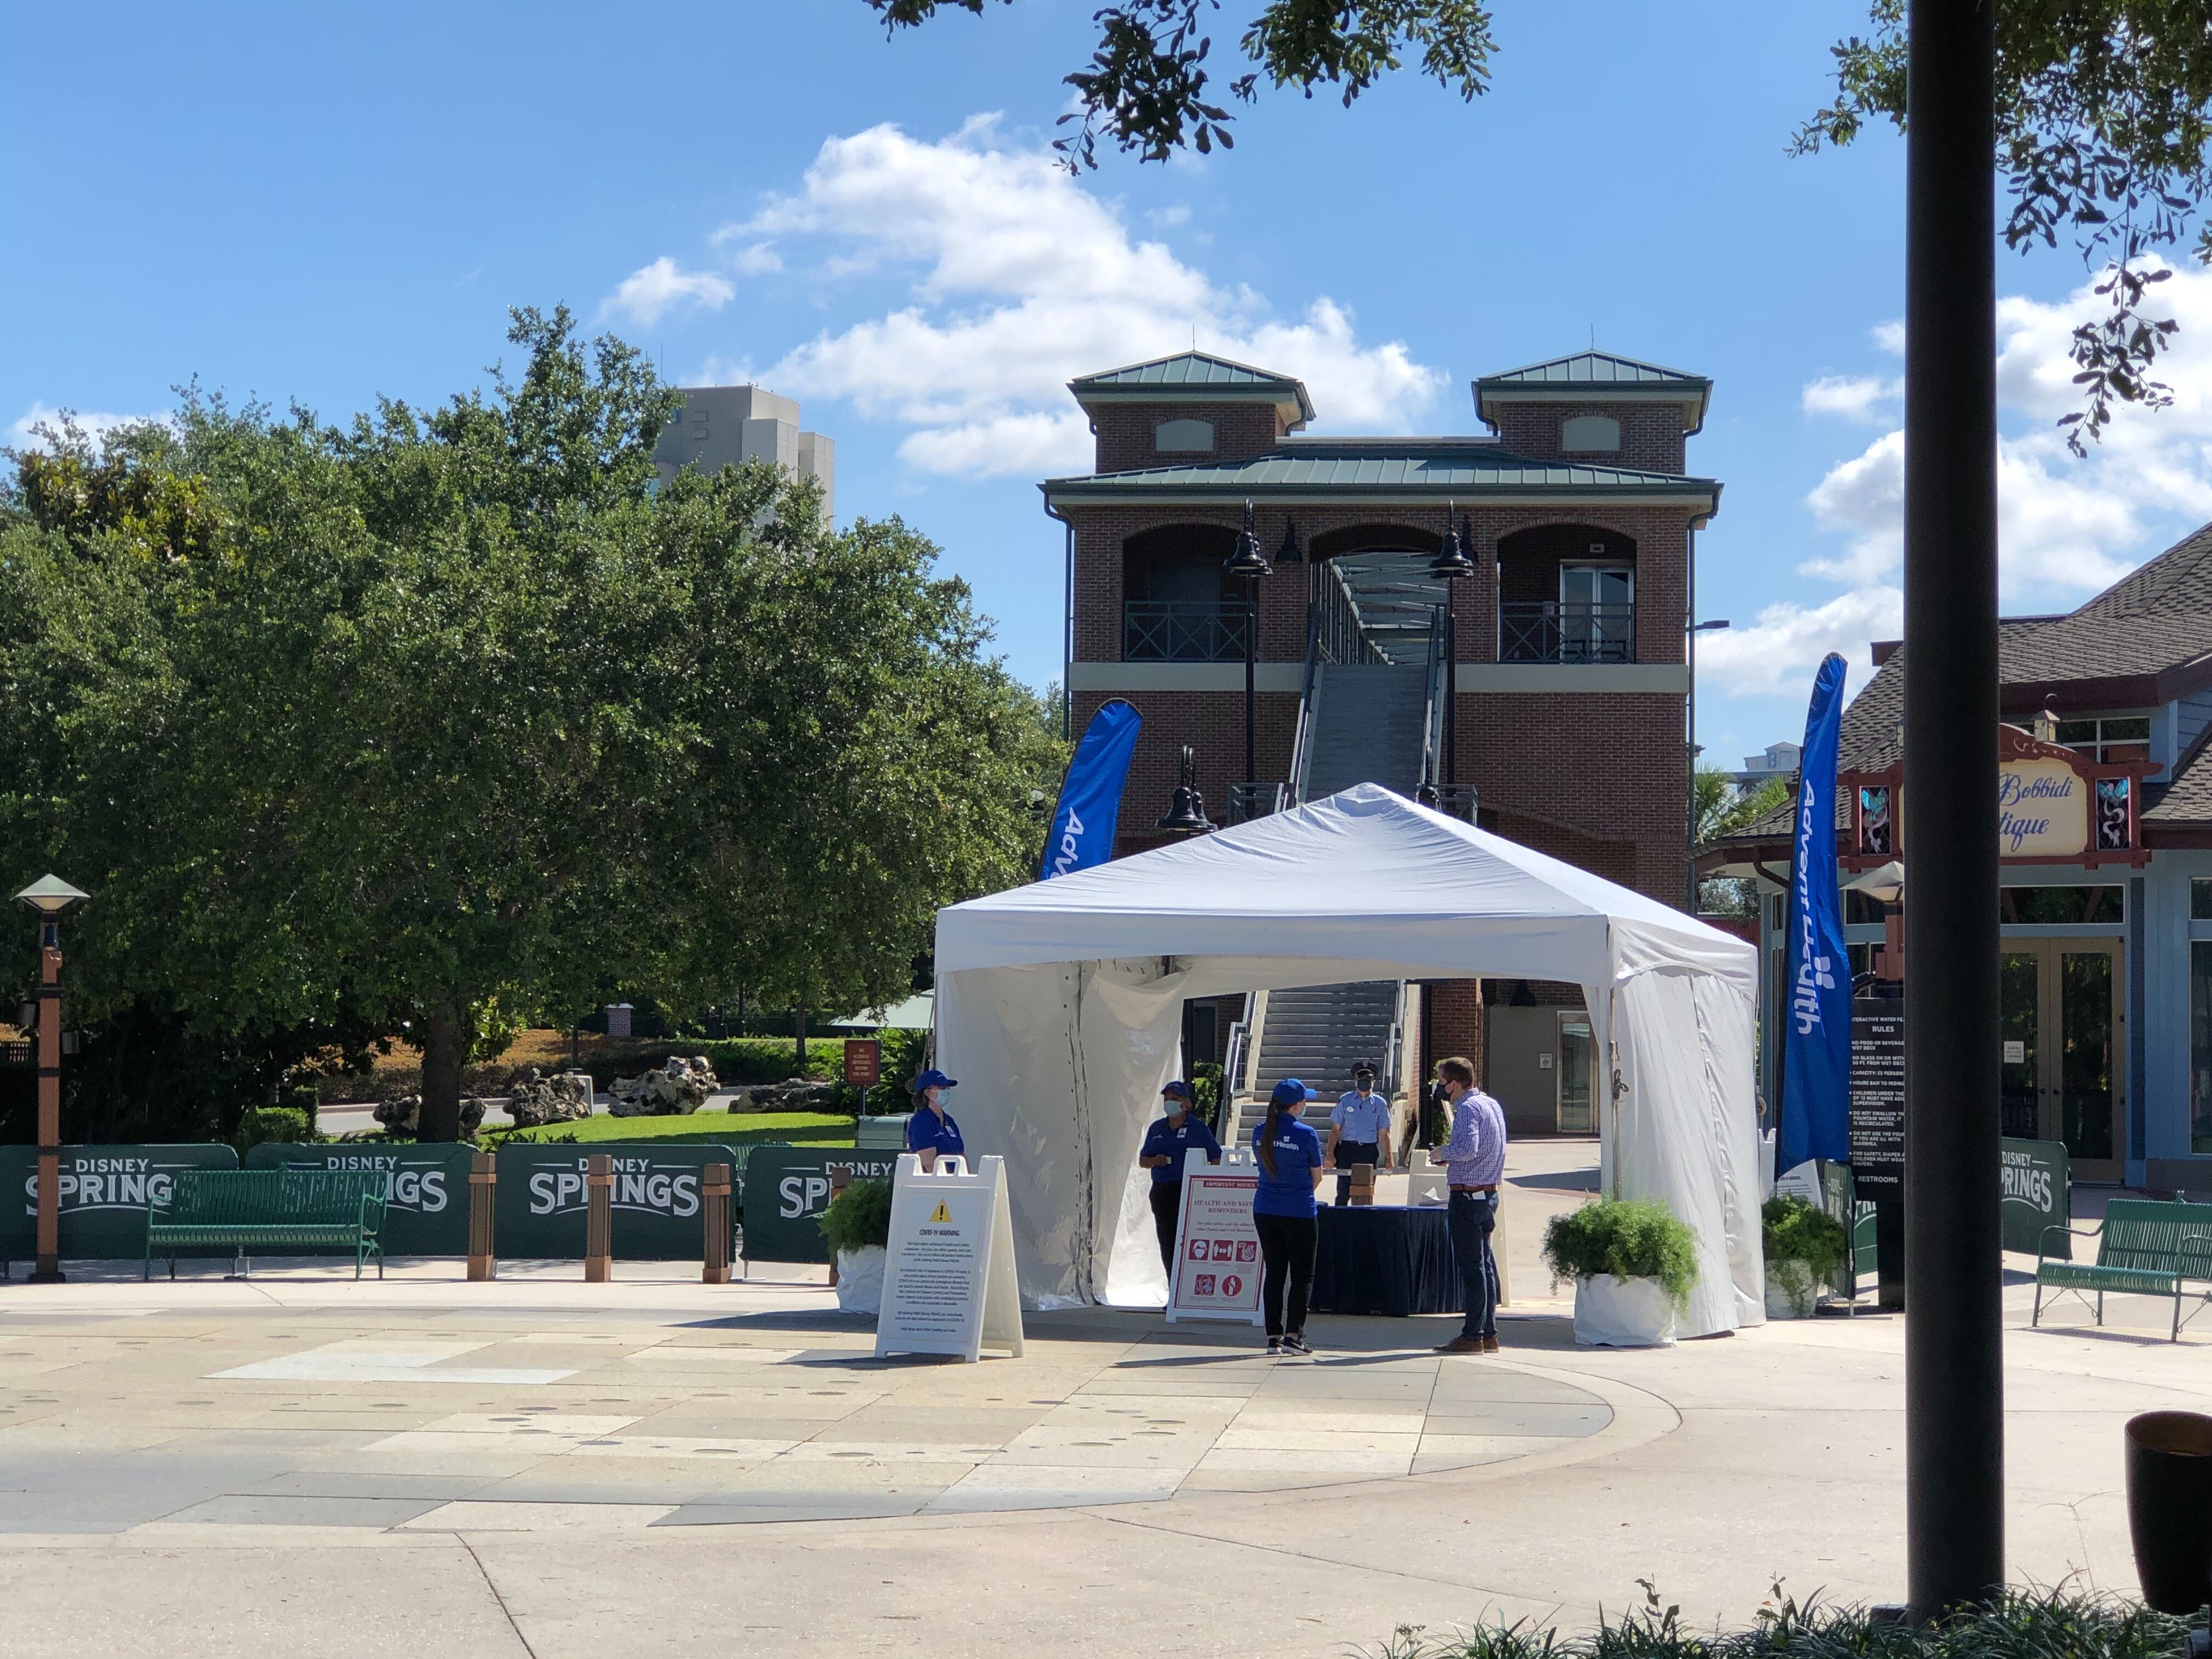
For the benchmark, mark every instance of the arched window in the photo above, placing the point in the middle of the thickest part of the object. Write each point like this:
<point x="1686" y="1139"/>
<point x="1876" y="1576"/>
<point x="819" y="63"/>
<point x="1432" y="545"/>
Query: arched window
<point x="1591" y="434"/>
<point x="1183" y="437"/>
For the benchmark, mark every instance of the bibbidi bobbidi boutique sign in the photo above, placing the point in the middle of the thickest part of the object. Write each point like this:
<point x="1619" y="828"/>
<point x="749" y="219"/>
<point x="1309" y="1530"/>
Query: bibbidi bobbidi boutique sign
<point x="105" y="1193"/>
<point x="426" y="1188"/>
<point x="2055" y="806"/>
<point x="542" y="1200"/>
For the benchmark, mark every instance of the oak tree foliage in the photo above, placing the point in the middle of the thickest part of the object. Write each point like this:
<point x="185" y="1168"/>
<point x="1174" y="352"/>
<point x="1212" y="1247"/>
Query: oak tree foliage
<point x="412" y="726"/>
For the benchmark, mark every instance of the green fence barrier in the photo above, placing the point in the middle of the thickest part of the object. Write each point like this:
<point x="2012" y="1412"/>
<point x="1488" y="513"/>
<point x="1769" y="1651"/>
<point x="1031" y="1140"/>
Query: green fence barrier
<point x="539" y="1209"/>
<point x="104" y="1192"/>
<point x="426" y="1188"/>
<point x="787" y="1189"/>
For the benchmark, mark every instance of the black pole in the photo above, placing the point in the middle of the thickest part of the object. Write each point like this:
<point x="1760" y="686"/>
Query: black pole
<point x="1251" y="660"/>
<point x="1953" y="1359"/>
<point x="1451" y="684"/>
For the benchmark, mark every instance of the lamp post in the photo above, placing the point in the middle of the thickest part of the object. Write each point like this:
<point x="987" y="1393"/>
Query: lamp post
<point x="1452" y="563"/>
<point x="1247" y="563"/>
<point x="50" y="895"/>
<point x="1690" y="825"/>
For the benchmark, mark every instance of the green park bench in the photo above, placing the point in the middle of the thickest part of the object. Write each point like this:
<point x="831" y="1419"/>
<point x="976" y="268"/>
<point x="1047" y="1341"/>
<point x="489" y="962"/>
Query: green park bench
<point x="2143" y="1248"/>
<point x="269" y="1210"/>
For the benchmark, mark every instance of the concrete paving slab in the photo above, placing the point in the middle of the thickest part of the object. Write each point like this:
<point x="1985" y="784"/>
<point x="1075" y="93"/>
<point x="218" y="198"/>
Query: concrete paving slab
<point x="468" y="1515"/>
<point x="266" y="1510"/>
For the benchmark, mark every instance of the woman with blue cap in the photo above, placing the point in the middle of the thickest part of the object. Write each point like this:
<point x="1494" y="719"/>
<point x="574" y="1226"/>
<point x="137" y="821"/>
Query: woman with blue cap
<point x="931" y="1133"/>
<point x="1165" y="1143"/>
<point x="1283" y="1213"/>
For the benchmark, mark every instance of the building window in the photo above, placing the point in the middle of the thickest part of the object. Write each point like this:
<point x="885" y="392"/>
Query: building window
<point x="1182" y="437"/>
<point x="2200" y="899"/>
<point x="2109" y="738"/>
<point x="2048" y="906"/>
<point x="2200" y="1048"/>
<point x="1591" y="434"/>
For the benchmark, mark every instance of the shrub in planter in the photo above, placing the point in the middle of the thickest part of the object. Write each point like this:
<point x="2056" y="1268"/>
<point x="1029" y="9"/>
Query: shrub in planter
<point x="1633" y="1262"/>
<point x="858" y="1225"/>
<point x="1804" y="1246"/>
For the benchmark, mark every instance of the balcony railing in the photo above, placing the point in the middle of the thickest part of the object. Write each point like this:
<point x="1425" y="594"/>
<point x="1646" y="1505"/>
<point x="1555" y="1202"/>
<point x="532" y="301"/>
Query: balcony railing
<point x="1247" y="801"/>
<point x="1184" y="630"/>
<point x="1546" y="631"/>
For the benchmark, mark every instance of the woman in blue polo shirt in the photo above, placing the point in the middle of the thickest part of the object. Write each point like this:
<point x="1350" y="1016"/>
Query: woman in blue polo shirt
<point x="1283" y="1213"/>
<point x="931" y="1131"/>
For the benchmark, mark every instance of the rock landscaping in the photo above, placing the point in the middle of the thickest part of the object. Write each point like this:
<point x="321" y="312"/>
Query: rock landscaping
<point x="679" y="1087"/>
<point x="539" y="1100"/>
<point x="402" y="1116"/>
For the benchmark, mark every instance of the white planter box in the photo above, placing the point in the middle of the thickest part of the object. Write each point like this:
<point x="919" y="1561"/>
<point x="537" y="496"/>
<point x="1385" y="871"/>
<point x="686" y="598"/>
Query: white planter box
<point x="1623" y="1313"/>
<point x="1790" y="1291"/>
<point x="860" y="1280"/>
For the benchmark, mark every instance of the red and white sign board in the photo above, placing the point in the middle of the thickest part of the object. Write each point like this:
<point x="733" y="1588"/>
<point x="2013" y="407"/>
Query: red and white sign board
<point x="1218" y="1266"/>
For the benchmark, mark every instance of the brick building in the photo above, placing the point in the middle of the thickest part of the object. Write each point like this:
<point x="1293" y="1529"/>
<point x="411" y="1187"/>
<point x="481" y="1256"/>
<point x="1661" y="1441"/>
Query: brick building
<point x="1572" y="526"/>
<point x="2105" y="808"/>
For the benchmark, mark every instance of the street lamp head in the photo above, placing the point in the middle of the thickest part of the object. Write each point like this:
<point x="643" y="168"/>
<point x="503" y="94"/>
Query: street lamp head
<point x="1709" y="627"/>
<point x="1451" y="561"/>
<point x="50" y="895"/>
<point x="1186" y="814"/>
<point x="1288" y="553"/>
<point x="1247" y="560"/>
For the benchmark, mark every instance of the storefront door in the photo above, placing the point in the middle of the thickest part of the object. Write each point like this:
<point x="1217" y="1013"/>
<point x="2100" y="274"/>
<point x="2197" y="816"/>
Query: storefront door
<point x="2059" y="1012"/>
<point x="1574" y="1116"/>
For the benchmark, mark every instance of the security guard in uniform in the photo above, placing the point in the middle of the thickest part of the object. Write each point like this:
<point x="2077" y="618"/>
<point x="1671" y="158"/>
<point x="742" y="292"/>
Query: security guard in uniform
<point x="1165" y="1143"/>
<point x="1358" y="1129"/>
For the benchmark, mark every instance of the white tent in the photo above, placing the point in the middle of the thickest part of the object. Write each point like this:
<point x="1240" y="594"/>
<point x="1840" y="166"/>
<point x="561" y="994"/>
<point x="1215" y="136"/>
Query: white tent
<point x="1058" y="1009"/>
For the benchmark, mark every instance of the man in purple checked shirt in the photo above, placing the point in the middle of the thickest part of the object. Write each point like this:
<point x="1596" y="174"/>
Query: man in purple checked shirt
<point x="1474" y="1162"/>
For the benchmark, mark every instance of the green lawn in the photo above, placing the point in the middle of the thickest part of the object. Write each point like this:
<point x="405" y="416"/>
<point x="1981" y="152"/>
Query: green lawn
<point x="733" y="1128"/>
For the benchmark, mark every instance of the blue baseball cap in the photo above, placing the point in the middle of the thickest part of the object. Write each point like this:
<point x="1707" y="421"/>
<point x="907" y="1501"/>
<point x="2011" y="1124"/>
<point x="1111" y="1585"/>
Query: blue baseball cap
<point x="1179" y="1089"/>
<point x="1292" y="1092"/>
<point x="934" y="1079"/>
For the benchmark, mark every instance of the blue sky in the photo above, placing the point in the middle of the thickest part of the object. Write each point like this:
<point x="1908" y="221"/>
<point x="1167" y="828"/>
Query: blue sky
<point x="325" y="204"/>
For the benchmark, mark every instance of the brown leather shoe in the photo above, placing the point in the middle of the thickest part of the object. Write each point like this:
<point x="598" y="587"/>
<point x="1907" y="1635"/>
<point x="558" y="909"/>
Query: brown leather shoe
<point x="1461" y="1344"/>
<point x="1489" y="1344"/>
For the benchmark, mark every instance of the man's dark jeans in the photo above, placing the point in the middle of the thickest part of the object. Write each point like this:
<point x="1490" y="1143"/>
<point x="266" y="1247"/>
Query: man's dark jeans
<point x="1472" y="1218"/>
<point x="1167" y="1209"/>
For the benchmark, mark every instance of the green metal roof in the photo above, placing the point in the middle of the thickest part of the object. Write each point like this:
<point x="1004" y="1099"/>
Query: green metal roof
<point x="1381" y="468"/>
<point x="1596" y="376"/>
<point x="1190" y="373"/>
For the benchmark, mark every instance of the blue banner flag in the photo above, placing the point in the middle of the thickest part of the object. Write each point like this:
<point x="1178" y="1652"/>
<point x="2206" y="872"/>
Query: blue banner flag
<point x="1816" y="1035"/>
<point x="1090" y="795"/>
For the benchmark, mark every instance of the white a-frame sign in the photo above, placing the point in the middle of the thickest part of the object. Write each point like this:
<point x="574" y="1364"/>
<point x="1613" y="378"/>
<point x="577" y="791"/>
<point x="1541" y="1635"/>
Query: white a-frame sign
<point x="949" y="1283"/>
<point x="1217" y="1252"/>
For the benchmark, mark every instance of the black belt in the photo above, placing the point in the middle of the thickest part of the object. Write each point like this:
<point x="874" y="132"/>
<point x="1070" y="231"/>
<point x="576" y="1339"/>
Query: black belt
<point x="1491" y="1188"/>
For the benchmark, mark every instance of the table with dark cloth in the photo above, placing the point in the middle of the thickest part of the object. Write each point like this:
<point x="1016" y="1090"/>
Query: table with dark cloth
<point x="1384" y="1259"/>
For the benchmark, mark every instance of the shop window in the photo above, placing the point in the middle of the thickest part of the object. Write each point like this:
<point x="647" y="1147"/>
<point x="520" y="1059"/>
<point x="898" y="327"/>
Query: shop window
<point x="1862" y="908"/>
<point x="2200" y="1048"/>
<point x="2049" y="905"/>
<point x="2117" y="737"/>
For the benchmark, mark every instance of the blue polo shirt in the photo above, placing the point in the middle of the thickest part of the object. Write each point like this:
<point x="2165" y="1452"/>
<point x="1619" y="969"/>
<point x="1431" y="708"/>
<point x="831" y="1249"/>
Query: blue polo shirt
<point x="1290" y="1190"/>
<point x="927" y="1132"/>
<point x="1161" y="1141"/>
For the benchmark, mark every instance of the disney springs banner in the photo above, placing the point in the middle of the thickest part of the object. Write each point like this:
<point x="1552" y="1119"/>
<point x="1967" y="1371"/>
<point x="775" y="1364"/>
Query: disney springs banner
<point x="1816" y="1036"/>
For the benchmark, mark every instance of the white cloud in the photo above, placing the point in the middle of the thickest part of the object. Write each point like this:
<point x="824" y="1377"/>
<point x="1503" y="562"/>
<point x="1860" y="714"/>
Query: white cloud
<point x="1853" y="396"/>
<point x="1019" y="280"/>
<point x="1782" y="646"/>
<point x="649" y="293"/>
<point x="2067" y="527"/>
<point x="24" y="434"/>
<point x="758" y="260"/>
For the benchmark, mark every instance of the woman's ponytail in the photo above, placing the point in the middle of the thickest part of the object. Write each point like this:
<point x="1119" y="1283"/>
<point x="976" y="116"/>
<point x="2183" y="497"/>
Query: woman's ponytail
<point x="1266" y="1146"/>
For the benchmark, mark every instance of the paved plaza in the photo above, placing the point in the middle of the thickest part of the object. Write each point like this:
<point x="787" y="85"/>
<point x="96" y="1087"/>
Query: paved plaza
<point x="301" y="1464"/>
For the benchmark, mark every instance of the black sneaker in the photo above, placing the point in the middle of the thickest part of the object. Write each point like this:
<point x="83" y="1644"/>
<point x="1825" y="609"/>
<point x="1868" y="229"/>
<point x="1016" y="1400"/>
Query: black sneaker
<point x="1296" y="1343"/>
<point x="1274" y="1347"/>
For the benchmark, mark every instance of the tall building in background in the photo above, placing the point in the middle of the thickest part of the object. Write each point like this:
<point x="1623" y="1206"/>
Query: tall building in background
<point x="723" y="425"/>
